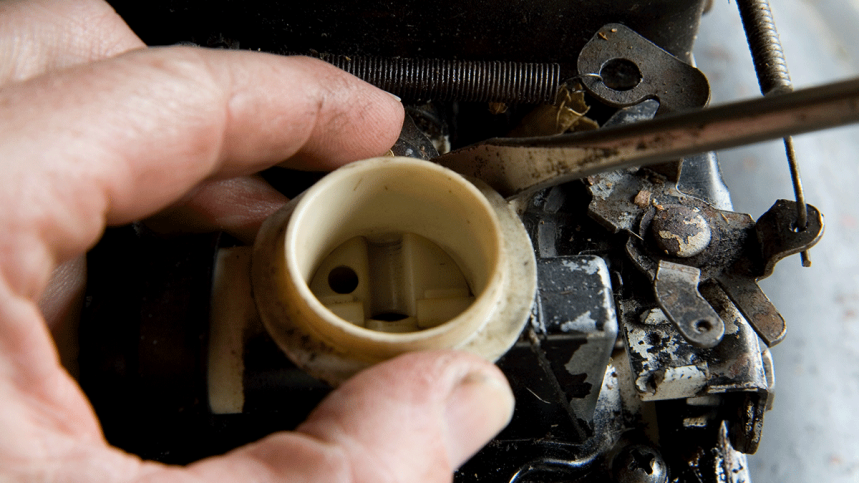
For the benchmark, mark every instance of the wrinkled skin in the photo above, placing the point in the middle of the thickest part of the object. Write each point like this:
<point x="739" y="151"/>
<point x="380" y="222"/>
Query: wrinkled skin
<point x="96" y="130"/>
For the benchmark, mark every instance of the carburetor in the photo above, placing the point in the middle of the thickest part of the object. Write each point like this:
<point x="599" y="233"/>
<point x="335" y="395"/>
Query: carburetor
<point x="553" y="204"/>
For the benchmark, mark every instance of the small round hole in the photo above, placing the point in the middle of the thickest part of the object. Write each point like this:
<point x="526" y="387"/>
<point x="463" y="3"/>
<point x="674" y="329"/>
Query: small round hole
<point x="620" y="74"/>
<point x="796" y="228"/>
<point x="343" y="279"/>
<point x="703" y="325"/>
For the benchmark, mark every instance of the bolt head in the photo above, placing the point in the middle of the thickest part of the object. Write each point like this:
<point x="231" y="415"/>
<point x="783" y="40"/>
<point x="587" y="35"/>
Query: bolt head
<point x="680" y="231"/>
<point x="639" y="463"/>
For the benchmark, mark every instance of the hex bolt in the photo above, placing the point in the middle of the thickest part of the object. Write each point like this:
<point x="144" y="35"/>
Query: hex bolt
<point x="680" y="231"/>
<point x="638" y="463"/>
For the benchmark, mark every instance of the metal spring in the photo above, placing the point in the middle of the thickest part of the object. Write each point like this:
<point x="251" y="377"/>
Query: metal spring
<point x="765" y="45"/>
<point x="462" y="80"/>
<point x="773" y="78"/>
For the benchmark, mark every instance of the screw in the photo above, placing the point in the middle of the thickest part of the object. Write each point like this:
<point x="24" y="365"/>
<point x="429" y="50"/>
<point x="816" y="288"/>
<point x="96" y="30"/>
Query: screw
<point x="680" y="231"/>
<point x="639" y="463"/>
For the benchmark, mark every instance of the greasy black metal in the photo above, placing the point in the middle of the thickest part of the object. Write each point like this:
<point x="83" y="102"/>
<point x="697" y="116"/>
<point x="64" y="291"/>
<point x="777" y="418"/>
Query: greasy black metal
<point x="676" y="290"/>
<point x="421" y="80"/>
<point x="701" y="178"/>
<point x="576" y="307"/>
<point x="559" y="385"/>
<point x="413" y="143"/>
<point x="549" y="31"/>
<point x="732" y="236"/>
<point x="521" y="166"/>
<point x="746" y="424"/>
<point x="677" y="85"/>
<point x="699" y="174"/>
<point x="765" y="45"/>
<point x="655" y="345"/>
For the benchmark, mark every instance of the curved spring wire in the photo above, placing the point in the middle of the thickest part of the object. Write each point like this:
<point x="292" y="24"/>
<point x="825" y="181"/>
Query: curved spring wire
<point x="773" y="78"/>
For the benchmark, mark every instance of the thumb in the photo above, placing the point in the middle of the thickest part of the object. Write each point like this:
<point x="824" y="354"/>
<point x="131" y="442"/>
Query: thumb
<point x="415" y="418"/>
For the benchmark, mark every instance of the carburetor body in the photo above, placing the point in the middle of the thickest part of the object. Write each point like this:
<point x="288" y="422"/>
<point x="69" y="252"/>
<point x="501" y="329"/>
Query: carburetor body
<point x="640" y="350"/>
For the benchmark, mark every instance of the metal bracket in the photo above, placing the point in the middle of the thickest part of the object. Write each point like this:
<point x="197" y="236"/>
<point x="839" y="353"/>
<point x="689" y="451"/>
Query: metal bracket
<point x="745" y="293"/>
<point x="676" y="290"/>
<point x="778" y="236"/>
<point x="622" y="68"/>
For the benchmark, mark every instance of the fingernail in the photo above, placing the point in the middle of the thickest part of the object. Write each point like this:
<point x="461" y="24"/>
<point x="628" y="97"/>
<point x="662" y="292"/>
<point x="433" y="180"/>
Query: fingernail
<point x="478" y="408"/>
<point x="395" y="97"/>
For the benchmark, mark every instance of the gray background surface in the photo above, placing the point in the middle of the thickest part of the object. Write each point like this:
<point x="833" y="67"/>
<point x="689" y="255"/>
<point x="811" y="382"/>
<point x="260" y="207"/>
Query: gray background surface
<point x="811" y="434"/>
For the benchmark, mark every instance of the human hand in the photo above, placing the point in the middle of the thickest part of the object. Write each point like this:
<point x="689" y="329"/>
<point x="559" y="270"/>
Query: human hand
<point x="97" y="130"/>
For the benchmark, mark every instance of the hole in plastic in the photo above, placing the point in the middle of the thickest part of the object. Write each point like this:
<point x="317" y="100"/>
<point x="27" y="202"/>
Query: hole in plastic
<point x="343" y="280"/>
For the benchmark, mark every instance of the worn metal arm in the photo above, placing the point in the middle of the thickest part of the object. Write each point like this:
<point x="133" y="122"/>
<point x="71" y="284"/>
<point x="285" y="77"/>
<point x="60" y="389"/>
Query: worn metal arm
<point x="516" y="167"/>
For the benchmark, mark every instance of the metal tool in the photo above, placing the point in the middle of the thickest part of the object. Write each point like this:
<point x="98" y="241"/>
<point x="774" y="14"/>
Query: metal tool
<point x="517" y="167"/>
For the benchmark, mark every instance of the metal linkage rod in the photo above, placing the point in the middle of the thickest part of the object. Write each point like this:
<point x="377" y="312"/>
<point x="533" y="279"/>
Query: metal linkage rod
<point x="518" y="166"/>
<point x="773" y="78"/>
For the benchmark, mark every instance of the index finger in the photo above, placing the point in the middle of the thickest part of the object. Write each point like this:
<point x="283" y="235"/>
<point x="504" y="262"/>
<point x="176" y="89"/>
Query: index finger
<point x="116" y="140"/>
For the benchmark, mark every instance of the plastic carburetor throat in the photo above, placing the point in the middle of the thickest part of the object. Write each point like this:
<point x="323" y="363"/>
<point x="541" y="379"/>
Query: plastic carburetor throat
<point x="414" y="205"/>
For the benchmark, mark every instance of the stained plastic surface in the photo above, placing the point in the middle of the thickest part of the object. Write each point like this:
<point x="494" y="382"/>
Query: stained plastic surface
<point x="391" y="255"/>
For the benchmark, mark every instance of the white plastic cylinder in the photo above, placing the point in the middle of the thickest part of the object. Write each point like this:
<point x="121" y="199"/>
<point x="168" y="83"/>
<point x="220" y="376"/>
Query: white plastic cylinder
<point x="382" y="197"/>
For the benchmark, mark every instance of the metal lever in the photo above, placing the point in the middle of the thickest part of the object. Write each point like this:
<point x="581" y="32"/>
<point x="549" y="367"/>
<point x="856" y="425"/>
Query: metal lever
<point x="517" y="167"/>
<point x="676" y="290"/>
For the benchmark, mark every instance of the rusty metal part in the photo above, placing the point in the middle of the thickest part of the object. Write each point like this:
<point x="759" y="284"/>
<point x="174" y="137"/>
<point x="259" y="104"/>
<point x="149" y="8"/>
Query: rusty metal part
<point x="676" y="290"/>
<point x="780" y="237"/>
<point x="756" y="307"/>
<point x="732" y="238"/>
<point x="679" y="231"/>
<point x="739" y="253"/>
<point x="517" y="167"/>
<point x="631" y="69"/>
<point x="418" y="80"/>
<point x="773" y="78"/>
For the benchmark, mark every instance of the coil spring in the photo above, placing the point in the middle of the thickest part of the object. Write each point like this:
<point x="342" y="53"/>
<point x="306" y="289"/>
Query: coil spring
<point x="767" y="53"/>
<point x="463" y="80"/>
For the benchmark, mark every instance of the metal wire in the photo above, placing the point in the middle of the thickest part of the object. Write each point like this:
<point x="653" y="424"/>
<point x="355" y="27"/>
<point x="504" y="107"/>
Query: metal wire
<point x="773" y="78"/>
